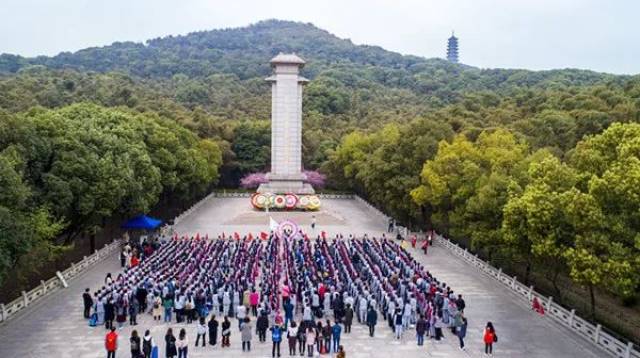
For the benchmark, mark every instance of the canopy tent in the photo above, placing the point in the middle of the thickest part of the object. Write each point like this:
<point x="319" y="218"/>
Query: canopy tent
<point x="142" y="222"/>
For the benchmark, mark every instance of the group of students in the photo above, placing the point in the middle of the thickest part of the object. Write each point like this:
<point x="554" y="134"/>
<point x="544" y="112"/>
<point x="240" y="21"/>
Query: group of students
<point x="276" y="279"/>
<point x="307" y="338"/>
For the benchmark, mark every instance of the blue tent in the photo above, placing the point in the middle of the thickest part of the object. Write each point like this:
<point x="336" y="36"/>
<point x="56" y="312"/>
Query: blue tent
<point x="142" y="222"/>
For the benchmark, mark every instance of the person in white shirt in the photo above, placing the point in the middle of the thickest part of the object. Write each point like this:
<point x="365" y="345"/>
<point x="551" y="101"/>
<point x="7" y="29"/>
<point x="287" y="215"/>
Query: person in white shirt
<point x="241" y="314"/>
<point x="226" y="302"/>
<point x="292" y="337"/>
<point x="201" y="331"/>
<point x="306" y="313"/>
<point x="182" y="344"/>
<point x="362" y="308"/>
<point x="406" y="315"/>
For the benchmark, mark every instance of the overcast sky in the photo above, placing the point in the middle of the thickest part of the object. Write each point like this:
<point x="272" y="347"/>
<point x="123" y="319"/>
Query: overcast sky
<point x="600" y="35"/>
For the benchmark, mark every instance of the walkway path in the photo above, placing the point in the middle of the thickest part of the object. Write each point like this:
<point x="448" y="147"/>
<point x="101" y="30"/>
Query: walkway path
<point x="54" y="327"/>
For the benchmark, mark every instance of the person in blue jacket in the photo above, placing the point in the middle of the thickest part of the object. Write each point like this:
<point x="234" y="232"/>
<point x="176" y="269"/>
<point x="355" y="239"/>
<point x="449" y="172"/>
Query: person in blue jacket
<point x="462" y="332"/>
<point x="372" y="320"/>
<point x="336" y="330"/>
<point x="288" y="313"/>
<point x="276" y="338"/>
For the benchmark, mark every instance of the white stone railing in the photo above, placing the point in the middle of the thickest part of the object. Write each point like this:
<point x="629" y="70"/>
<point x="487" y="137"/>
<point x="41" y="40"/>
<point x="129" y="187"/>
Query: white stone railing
<point x="231" y="194"/>
<point x="336" y="196"/>
<point x="567" y="318"/>
<point x="53" y="284"/>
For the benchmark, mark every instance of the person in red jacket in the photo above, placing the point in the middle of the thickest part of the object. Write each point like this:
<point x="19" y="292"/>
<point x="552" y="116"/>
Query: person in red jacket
<point x="134" y="261"/>
<point x="111" y="343"/>
<point x="489" y="338"/>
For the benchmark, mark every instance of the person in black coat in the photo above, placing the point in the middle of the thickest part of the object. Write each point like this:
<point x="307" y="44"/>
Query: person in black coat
<point x="88" y="302"/>
<point x="109" y="314"/>
<point x="226" y="332"/>
<point x="372" y="320"/>
<point x="135" y="344"/>
<point x="348" y="318"/>
<point x="338" y="308"/>
<point x="213" y="330"/>
<point x="261" y="326"/>
<point x="460" y="304"/>
<point x="170" y="344"/>
<point x="141" y="295"/>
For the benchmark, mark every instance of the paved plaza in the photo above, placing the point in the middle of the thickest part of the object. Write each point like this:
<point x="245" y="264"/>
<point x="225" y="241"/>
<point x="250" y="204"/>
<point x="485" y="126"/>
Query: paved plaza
<point x="54" y="327"/>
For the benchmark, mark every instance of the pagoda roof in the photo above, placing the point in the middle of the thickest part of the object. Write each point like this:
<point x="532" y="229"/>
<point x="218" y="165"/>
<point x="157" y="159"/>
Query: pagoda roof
<point x="289" y="58"/>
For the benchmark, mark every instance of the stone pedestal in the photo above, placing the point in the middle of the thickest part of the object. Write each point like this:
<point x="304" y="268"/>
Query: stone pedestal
<point x="281" y="184"/>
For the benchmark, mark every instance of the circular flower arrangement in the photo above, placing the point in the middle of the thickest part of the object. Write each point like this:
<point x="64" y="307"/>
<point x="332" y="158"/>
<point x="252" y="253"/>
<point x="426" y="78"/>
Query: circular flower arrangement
<point x="303" y="202"/>
<point x="279" y="201"/>
<point x="287" y="228"/>
<point x="290" y="201"/>
<point x="314" y="202"/>
<point x="261" y="201"/>
<point x="258" y="200"/>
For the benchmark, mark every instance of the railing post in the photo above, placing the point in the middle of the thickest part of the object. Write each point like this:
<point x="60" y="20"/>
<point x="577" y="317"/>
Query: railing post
<point x="530" y="294"/>
<point x="596" y="335"/>
<point x="549" y="302"/>
<point x="25" y="299"/>
<point x="573" y="314"/>
<point x="61" y="278"/>
<point x="44" y="287"/>
<point x="513" y="282"/>
<point x="3" y="312"/>
<point x="627" y="352"/>
<point x="499" y="273"/>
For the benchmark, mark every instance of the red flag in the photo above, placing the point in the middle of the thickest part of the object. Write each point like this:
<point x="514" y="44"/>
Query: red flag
<point x="323" y="234"/>
<point x="197" y="236"/>
<point x="264" y="235"/>
<point x="224" y="237"/>
<point x="306" y="237"/>
<point x="250" y="237"/>
<point x="206" y="237"/>
<point x="236" y="235"/>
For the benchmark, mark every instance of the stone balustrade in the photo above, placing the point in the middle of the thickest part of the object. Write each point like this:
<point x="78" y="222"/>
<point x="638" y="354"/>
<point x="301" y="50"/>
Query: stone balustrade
<point x="593" y="333"/>
<point x="59" y="281"/>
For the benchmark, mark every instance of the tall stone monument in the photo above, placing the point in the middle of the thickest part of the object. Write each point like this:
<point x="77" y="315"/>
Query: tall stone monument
<point x="286" y="128"/>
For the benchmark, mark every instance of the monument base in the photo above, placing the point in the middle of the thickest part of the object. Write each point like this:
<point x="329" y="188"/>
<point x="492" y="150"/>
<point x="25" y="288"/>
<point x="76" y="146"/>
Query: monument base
<point x="286" y="187"/>
<point x="286" y="184"/>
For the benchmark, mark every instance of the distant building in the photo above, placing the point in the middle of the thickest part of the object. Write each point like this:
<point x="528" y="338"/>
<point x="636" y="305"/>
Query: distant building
<point x="452" y="48"/>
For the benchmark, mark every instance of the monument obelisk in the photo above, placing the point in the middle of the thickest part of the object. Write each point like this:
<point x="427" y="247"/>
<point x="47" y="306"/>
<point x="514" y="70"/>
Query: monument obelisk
<point x="286" y="128"/>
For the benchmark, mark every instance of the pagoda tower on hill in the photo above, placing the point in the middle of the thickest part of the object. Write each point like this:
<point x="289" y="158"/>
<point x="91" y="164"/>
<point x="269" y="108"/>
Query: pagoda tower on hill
<point x="452" y="48"/>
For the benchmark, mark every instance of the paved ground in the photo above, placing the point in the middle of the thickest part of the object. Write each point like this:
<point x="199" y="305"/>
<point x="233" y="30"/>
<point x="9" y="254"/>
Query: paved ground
<point x="55" y="327"/>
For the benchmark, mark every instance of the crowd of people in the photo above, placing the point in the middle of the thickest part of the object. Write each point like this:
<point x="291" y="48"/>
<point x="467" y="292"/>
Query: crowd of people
<point x="306" y="292"/>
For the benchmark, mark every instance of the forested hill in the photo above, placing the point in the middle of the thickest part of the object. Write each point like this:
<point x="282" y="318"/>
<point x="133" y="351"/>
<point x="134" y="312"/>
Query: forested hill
<point x="245" y="52"/>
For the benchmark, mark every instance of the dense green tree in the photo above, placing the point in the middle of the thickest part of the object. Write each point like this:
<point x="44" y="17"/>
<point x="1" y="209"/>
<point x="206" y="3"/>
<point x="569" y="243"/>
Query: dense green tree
<point x="252" y="146"/>
<point x="70" y="168"/>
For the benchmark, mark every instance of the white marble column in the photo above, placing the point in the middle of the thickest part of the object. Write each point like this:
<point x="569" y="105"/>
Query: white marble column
<point x="286" y="127"/>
